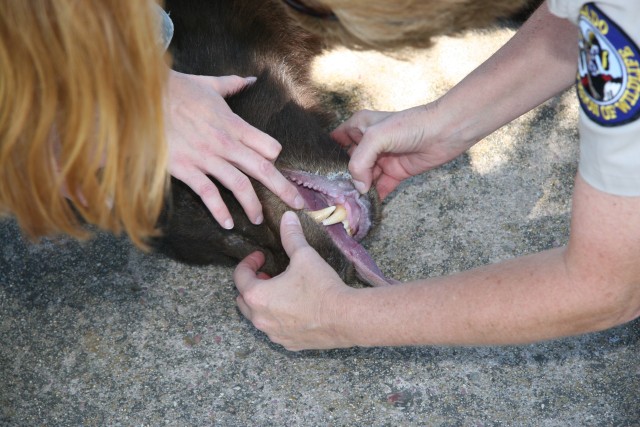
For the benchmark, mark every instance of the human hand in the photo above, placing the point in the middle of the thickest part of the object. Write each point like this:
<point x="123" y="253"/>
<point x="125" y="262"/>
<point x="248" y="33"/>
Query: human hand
<point x="206" y="138"/>
<point x="297" y="308"/>
<point x="388" y="147"/>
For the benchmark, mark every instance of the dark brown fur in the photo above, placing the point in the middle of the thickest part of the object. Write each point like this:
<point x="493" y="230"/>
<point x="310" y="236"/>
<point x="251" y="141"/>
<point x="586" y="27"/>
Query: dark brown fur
<point x="222" y="37"/>
<point x="259" y="38"/>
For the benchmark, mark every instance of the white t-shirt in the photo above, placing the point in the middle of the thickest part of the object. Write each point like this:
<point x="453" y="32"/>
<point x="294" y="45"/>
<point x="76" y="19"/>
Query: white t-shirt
<point x="608" y="88"/>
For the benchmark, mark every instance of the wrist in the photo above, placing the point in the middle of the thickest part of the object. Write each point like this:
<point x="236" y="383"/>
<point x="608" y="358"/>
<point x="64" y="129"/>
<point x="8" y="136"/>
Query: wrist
<point x="451" y="128"/>
<point x="354" y="314"/>
<point x="341" y="318"/>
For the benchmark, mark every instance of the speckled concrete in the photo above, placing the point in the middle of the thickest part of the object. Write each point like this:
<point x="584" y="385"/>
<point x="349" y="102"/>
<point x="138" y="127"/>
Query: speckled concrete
<point x="101" y="334"/>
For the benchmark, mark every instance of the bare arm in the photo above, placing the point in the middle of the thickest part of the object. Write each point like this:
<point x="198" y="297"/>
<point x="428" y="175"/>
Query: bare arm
<point x="591" y="285"/>
<point x="537" y="63"/>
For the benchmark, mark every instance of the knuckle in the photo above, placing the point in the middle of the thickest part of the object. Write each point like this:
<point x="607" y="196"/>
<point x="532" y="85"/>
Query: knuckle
<point x="240" y="183"/>
<point x="253" y="299"/>
<point x="277" y="148"/>
<point x="225" y="140"/>
<point x="289" y="193"/>
<point x="267" y="168"/>
<point x="234" y="121"/>
<point x="208" y="191"/>
<point x="271" y="151"/>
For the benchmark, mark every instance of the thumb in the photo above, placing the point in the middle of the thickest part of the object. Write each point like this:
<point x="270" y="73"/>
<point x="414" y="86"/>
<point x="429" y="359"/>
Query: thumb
<point x="230" y="85"/>
<point x="291" y="233"/>
<point x="363" y="159"/>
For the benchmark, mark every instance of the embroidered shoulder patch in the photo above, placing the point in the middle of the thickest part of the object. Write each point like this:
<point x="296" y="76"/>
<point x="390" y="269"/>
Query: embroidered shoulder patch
<point x="608" y="70"/>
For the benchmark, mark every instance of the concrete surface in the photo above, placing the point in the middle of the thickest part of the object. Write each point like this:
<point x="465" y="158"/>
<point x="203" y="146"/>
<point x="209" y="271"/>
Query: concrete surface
<point x="98" y="333"/>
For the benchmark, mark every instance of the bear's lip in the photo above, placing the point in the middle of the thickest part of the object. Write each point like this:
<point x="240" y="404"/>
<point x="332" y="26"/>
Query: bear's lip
<point x="336" y="189"/>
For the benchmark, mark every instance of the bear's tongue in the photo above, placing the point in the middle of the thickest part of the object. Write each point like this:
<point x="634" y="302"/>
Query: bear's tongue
<point x="333" y="202"/>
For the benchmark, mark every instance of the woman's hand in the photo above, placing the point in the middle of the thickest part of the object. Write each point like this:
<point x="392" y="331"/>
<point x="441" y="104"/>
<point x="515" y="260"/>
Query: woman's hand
<point x="207" y="138"/>
<point x="389" y="147"/>
<point x="296" y="308"/>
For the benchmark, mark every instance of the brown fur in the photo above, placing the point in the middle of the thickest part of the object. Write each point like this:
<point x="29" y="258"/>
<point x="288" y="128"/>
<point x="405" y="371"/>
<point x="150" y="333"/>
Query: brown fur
<point x="222" y="37"/>
<point x="383" y="24"/>
<point x="253" y="37"/>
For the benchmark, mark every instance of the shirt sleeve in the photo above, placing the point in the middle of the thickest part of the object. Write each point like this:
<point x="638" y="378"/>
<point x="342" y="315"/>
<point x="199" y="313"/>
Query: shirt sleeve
<point x="608" y="89"/>
<point x="565" y="9"/>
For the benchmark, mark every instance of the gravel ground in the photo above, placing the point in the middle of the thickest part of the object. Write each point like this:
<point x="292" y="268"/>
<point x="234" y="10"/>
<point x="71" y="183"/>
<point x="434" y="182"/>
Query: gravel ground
<point x="98" y="333"/>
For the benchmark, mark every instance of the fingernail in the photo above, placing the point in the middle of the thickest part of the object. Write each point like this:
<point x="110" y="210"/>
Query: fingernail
<point x="228" y="224"/>
<point x="251" y="79"/>
<point x="290" y="218"/>
<point x="298" y="202"/>
<point x="359" y="186"/>
<point x="258" y="220"/>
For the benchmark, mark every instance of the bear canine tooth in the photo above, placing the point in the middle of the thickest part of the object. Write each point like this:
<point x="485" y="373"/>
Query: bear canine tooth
<point x="339" y="215"/>
<point x="321" y="214"/>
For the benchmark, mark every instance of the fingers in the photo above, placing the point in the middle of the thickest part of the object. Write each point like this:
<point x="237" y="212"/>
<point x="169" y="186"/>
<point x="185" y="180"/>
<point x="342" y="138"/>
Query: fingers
<point x="258" y="141"/>
<point x="230" y="172"/>
<point x="292" y="308"/>
<point x="207" y="138"/>
<point x="226" y="86"/>
<point x="208" y="192"/>
<point x="385" y="185"/>
<point x="239" y="184"/>
<point x="264" y="171"/>
<point x="285" y="190"/>
<point x="251" y="137"/>
<point x="244" y="308"/>
<point x="346" y="134"/>
<point x="271" y="178"/>
<point x="230" y="168"/>
<point x="361" y="165"/>
<point x="245" y="276"/>
<point x="354" y="134"/>
<point x="291" y="233"/>
<point x="352" y="131"/>
<point x="230" y="85"/>
<point x="245" y="273"/>
<point x="257" y="161"/>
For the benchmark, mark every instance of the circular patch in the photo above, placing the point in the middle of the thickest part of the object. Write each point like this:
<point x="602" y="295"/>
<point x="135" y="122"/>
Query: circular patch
<point x="608" y="70"/>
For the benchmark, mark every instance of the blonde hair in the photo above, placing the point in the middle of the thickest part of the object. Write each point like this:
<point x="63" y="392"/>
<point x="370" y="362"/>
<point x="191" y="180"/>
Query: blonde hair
<point x="383" y="24"/>
<point x="81" y="111"/>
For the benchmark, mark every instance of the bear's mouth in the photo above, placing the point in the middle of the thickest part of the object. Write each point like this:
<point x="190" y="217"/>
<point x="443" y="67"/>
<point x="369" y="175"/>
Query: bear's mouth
<point x="332" y="201"/>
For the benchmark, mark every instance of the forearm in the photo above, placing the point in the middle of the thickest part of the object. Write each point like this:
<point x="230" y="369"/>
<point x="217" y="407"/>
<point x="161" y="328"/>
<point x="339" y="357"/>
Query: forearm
<point x="489" y="305"/>
<point x="523" y="300"/>
<point x="591" y="285"/>
<point x="539" y="62"/>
